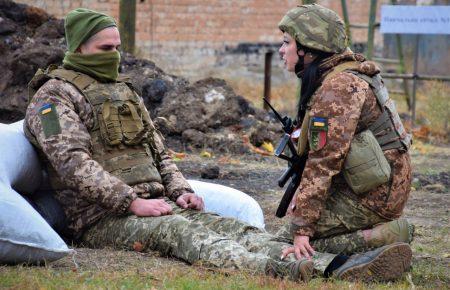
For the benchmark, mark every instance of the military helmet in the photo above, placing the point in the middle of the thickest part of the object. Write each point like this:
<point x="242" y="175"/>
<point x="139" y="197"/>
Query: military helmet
<point x="316" y="27"/>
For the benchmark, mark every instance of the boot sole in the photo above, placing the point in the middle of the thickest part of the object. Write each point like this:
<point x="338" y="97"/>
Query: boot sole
<point x="388" y="265"/>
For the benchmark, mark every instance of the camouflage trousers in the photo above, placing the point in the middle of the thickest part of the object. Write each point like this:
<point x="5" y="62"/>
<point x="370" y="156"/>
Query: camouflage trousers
<point x="339" y="229"/>
<point x="196" y="237"/>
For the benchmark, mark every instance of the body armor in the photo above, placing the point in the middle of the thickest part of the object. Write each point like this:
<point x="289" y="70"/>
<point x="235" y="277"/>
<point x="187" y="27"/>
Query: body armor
<point x="388" y="128"/>
<point x="122" y="135"/>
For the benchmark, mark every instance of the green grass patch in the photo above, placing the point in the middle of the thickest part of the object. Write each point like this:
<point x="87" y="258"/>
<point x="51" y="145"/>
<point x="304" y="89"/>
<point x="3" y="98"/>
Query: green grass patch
<point x="22" y="277"/>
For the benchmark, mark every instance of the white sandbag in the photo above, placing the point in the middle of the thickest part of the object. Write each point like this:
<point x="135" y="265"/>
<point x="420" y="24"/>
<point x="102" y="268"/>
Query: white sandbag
<point x="229" y="202"/>
<point x="25" y="237"/>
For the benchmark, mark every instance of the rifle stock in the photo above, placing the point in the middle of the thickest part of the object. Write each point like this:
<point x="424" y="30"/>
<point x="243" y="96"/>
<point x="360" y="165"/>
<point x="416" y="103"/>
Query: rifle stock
<point x="297" y="169"/>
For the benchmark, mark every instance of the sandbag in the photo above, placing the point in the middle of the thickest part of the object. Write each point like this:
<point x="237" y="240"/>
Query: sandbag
<point x="229" y="202"/>
<point x="25" y="237"/>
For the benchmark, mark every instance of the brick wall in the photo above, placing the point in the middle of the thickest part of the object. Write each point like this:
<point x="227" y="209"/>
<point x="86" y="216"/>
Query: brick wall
<point x="197" y="38"/>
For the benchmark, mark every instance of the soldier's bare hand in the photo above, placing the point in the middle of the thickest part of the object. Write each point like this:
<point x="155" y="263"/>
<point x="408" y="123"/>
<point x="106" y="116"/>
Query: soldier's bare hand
<point x="301" y="248"/>
<point x="190" y="200"/>
<point x="150" y="207"/>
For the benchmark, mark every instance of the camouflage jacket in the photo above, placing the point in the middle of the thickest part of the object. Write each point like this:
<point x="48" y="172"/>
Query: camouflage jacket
<point x="92" y="192"/>
<point x="349" y="106"/>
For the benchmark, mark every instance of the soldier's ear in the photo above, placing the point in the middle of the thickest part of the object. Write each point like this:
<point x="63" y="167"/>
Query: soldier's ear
<point x="301" y="52"/>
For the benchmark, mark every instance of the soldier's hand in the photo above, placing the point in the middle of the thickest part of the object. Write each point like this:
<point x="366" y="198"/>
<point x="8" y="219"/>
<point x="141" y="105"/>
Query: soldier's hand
<point x="190" y="200"/>
<point x="150" y="207"/>
<point x="301" y="248"/>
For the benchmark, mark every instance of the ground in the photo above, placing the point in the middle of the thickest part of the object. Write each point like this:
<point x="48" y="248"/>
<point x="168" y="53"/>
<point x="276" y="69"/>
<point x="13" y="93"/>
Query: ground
<point x="428" y="209"/>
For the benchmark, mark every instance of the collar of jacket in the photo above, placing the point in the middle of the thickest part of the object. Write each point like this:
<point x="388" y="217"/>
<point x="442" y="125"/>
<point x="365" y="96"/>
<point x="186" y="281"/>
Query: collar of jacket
<point x="329" y="63"/>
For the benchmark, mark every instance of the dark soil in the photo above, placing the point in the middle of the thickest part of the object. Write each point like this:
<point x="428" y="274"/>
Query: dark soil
<point x="204" y="115"/>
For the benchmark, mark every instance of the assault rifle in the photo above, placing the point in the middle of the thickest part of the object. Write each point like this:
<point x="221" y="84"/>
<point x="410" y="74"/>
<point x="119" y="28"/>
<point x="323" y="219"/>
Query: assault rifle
<point x="296" y="163"/>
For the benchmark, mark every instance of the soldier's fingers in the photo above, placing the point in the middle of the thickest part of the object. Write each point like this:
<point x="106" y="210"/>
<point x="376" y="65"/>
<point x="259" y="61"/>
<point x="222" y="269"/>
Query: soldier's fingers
<point x="304" y="252"/>
<point x="169" y="209"/>
<point x="298" y="255"/>
<point x="286" y="252"/>
<point x="195" y="203"/>
<point x="309" y="249"/>
<point x="181" y="203"/>
<point x="155" y="212"/>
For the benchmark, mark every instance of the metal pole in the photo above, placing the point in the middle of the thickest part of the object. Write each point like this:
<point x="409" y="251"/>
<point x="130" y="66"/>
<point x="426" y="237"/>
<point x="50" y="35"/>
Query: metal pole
<point x="416" y="60"/>
<point x="127" y="24"/>
<point x="370" y="34"/>
<point x="267" y="76"/>
<point x="346" y="21"/>
<point x="419" y="77"/>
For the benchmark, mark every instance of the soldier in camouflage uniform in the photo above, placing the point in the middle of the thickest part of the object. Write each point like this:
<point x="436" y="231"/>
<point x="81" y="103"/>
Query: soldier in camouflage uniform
<point x="343" y="98"/>
<point x="113" y="177"/>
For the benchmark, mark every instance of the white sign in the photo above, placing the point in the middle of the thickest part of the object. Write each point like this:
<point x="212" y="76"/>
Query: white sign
<point x="415" y="19"/>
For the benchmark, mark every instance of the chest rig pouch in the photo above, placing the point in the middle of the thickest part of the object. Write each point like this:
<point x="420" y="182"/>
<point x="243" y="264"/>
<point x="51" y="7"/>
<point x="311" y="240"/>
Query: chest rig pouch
<point x="122" y="135"/>
<point x="366" y="166"/>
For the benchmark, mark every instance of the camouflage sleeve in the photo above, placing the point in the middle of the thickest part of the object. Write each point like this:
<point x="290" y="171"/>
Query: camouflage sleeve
<point x="173" y="180"/>
<point x="334" y="115"/>
<point x="57" y="117"/>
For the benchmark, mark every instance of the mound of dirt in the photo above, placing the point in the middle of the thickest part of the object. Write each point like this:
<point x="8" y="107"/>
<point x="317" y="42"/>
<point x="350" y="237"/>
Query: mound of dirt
<point x="205" y="115"/>
<point x="29" y="39"/>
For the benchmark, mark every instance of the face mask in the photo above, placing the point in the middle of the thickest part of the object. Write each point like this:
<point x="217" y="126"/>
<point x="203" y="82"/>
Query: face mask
<point x="103" y="66"/>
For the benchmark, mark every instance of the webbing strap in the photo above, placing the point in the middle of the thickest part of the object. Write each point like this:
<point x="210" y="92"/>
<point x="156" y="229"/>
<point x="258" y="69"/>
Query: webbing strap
<point x="381" y="123"/>
<point x="79" y="80"/>
<point x="350" y="65"/>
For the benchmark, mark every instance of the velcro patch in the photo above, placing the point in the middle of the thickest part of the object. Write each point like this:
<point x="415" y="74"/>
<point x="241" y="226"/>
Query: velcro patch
<point x="49" y="120"/>
<point x="317" y="133"/>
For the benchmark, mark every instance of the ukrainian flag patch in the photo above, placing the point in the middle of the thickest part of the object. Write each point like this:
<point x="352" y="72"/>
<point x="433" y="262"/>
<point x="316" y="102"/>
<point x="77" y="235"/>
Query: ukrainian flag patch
<point x="49" y="120"/>
<point x="317" y="133"/>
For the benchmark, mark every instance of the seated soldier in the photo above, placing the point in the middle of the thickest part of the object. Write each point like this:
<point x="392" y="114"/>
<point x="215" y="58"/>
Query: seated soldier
<point x="118" y="186"/>
<point x="346" y="202"/>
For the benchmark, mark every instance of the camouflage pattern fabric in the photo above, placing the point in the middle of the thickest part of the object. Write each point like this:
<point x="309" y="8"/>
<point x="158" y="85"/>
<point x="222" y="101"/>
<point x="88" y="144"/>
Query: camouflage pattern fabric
<point x="349" y="105"/>
<point x="316" y="27"/>
<point x="96" y="202"/>
<point x="339" y="229"/>
<point x="89" y="193"/>
<point x="196" y="237"/>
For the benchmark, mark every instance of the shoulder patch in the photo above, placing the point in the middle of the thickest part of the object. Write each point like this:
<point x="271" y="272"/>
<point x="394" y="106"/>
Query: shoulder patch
<point x="49" y="120"/>
<point x="317" y="133"/>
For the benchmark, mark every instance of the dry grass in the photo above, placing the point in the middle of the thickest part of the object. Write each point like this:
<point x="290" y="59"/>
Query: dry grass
<point x="433" y="106"/>
<point x="283" y="97"/>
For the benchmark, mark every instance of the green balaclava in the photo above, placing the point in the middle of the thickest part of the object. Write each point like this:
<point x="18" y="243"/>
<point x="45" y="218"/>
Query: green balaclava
<point x="81" y="24"/>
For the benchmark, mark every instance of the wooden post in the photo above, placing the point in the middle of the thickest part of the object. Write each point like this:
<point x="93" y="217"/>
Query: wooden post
<point x="267" y="76"/>
<point x="127" y="24"/>
<point x="346" y="21"/>
<point x="416" y="60"/>
<point x="402" y="68"/>
<point x="371" y="32"/>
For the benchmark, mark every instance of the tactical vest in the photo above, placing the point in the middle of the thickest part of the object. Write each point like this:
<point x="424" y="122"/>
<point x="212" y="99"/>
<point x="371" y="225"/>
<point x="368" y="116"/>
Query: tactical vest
<point x="388" y="129"/>
<point x="122" y="135"/>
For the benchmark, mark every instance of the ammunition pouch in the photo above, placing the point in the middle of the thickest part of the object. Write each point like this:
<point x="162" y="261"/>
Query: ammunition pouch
<point x="365" y="167"/>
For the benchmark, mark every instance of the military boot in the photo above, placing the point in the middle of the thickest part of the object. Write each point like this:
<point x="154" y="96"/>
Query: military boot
<point x="300" y="270"/>
<point x="380" y="265"/>
<point x="388" y="233"/>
